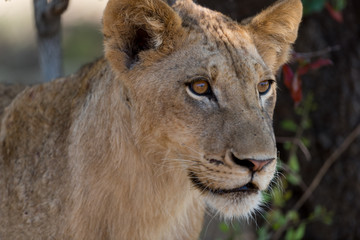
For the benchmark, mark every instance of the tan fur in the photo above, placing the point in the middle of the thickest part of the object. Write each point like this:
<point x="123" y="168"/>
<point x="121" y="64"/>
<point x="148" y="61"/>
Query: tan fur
<point x="124" y="150"/>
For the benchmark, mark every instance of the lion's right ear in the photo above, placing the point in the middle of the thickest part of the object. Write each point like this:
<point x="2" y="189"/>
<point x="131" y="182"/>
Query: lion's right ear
<point x="274" y="30"/>
<point x="139" y="31"/>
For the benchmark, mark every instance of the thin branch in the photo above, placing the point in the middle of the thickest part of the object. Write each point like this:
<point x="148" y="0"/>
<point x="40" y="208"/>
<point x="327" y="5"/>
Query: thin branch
<point x="308" y="55"/>
<point x="327" y="164"/>
<point x="320" y="175"/>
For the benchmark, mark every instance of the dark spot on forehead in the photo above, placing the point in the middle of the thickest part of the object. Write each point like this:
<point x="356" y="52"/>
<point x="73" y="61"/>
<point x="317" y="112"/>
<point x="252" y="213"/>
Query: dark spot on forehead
<point x="211" y="48"/>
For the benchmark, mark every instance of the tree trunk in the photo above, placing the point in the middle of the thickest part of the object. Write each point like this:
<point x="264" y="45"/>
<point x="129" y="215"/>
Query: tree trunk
<point x="48" y="24"/>
<point x="336" y="92"/>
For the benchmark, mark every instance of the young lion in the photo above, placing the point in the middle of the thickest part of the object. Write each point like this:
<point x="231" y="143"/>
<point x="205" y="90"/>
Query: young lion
<point x="178" y="114"/>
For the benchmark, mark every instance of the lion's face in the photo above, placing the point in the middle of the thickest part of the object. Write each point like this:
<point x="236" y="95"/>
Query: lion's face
<point x="207" y="102"/>
<point x="213" y="108"/>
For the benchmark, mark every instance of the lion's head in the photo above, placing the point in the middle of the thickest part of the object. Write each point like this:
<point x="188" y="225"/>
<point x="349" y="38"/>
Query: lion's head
<point x="201" y="90"/>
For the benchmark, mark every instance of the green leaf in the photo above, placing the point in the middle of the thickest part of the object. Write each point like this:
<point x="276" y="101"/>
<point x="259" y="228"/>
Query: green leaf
<point x="300" y="232"/>
<point x="290" y="234"/>
<point x="287" y="145"/>
<point x="307" y="124"/>
<point x="322" y="214"/>
<point x="293" y="216"/>
<point x="311" y="6"/>
<point x="289" y="125"/>
<point x="276" y="219"/>
<point x="294" y="163"/>
<point x="281" y="221"/>
<point x="288" y="194"/>
<point x="224" y="227"/>
<point x="293" y="179"/>
<point x="262" y="234"/>
<point x="328" y="219"/>
<point x="306" y="141"/>
<point x="278" y="197"/>
<point x="318" y="211"/>
<point x="338" y="5"/>
<point x="266" y="197"/>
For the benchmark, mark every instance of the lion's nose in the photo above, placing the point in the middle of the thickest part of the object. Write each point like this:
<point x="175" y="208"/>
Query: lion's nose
<point x="252" y="164"/>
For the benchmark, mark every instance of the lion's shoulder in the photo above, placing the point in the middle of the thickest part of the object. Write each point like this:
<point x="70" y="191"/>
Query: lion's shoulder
<point x="45" y="110"/>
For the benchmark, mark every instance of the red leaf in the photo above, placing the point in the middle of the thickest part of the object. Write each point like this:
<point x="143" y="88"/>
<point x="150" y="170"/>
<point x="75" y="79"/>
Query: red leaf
<point x="288" y="76"/>
<point x="293" y="83"/>
<point x="314" y="65"/>
<point x="296" y="89"/>
<point x="320" y="63"/>
<point x="304" y="69"/>
<point x="336" y="15"/>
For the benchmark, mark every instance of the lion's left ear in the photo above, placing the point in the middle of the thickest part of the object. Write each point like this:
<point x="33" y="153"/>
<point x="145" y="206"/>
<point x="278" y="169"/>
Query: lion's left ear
<point x="274" y="30"/>
<point x="139" y="30"/>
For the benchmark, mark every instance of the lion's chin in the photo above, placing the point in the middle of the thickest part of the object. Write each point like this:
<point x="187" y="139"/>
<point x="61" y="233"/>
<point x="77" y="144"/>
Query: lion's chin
<point x="238" y="202"/>
<point x="234" y="205"/>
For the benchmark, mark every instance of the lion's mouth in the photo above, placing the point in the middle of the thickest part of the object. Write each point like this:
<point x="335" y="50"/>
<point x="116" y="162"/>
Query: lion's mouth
<point x="247" y="188"/>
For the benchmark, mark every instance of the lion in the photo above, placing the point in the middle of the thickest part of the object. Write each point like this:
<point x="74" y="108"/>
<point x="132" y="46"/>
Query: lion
<point x="176" y="117"/>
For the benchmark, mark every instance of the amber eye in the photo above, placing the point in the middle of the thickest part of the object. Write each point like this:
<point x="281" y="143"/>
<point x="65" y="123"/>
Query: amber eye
<point x="200" y="87"/>
<point x="264" y="86"/>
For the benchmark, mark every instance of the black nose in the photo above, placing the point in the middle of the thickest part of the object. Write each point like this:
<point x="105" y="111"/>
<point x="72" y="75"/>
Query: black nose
<point x="252" y="164"/>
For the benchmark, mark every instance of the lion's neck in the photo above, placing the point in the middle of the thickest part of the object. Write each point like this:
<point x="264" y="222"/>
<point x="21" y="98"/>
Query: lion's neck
<point x="125" y="187"/>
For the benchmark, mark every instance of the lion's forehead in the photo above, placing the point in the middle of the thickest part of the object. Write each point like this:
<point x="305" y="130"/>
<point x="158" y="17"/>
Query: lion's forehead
<point x="222" y="34"/>
<point x="228" y="45"/>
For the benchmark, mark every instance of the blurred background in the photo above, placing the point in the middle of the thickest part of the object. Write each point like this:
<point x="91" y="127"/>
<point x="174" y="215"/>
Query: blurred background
<point x="81" y="38"/>
<point x="317" y="118"/>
